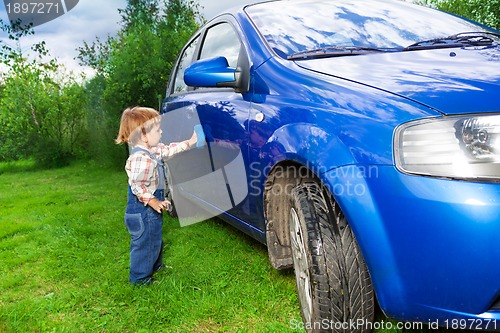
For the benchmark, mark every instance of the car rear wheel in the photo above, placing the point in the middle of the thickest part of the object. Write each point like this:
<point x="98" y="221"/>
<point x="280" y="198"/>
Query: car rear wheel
<point x="333" y="284"/>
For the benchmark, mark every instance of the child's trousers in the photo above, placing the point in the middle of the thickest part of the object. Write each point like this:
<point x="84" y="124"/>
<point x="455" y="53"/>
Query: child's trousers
<point x="144" y="225"/>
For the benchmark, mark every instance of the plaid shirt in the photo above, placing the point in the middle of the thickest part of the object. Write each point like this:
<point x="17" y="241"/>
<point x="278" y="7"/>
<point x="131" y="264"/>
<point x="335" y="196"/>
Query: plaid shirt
<point x="142" y="172"/>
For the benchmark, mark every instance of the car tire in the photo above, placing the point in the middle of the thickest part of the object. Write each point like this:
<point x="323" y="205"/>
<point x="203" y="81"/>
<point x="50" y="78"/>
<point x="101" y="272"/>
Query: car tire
<point x="332" y="279"/>
<point x="171" y="211"/>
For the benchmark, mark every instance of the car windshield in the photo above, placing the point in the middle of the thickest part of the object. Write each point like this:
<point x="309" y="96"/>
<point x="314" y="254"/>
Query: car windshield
<point x="297" y="28"/>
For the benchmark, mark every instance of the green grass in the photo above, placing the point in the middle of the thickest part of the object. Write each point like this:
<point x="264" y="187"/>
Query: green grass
<point x="64" y="264"/>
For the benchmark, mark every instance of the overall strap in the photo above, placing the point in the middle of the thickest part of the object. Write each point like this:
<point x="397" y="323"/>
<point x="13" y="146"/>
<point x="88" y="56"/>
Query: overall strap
<point x="160" y="166"/>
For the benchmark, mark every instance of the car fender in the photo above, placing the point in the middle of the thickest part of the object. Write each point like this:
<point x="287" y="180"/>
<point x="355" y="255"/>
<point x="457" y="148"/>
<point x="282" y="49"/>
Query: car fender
<point x="311" y="146"/>
<point x="324" y="154"/>
<point x="350" y="186"/>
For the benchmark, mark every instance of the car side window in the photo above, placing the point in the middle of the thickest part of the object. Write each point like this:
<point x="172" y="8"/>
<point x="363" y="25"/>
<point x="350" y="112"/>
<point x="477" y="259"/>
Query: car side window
<point x="185" y="61"/>
<point x="221" y="40"/>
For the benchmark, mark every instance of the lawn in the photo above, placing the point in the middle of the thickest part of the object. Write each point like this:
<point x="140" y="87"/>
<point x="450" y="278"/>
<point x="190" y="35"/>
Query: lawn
<point x="64" y="264"/>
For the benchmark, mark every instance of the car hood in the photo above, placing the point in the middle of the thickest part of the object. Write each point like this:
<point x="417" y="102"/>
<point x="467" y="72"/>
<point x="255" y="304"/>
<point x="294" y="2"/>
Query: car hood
<point x="452" y="81"/>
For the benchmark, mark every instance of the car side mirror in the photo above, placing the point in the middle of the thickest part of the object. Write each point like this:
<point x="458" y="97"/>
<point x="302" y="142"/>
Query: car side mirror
<point x="212" y="72"/>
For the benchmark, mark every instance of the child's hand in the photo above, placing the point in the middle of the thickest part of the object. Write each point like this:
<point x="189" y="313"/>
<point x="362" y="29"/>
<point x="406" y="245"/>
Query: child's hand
<point x="198" y="137"/>
<point x="158" y="205"/>
<point x="193" y="140"/>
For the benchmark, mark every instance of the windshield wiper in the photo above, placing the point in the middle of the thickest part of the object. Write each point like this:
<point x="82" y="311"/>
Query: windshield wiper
<point x="338" y="51"/>
<point x="476" y="38"/>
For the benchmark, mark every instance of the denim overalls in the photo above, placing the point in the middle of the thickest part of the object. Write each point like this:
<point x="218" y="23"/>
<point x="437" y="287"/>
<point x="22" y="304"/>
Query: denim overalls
<point x="145" y="227"/>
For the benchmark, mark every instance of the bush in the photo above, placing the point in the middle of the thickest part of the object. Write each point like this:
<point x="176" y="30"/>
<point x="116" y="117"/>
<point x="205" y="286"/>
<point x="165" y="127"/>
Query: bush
<point x="483" y="11"/>
<point x="42" y="107"/>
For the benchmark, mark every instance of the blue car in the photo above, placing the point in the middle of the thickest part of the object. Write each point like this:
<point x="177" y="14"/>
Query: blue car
<point x="360" y="141"/>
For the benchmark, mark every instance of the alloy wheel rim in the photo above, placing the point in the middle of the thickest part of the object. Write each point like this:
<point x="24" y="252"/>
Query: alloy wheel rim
<point x="301" y="265"/>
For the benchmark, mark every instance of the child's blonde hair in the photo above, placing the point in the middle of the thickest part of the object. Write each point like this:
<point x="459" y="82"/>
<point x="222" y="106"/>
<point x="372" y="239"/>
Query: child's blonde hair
<point x="136" y="121"/>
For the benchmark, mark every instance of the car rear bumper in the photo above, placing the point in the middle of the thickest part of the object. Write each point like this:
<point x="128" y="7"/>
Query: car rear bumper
<point x="431" y="245"/>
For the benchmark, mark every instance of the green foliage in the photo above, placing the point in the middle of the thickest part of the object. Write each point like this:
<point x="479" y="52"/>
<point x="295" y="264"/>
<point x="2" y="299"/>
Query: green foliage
<point x="10" y="55"/>
<point x="41" y="110"/>
<point x="47" y="115"/>
<point x="486" y="12"/>
<point x="101" y="126"/>
<point x="135" y="64"/>
<point x="133" y="67"/>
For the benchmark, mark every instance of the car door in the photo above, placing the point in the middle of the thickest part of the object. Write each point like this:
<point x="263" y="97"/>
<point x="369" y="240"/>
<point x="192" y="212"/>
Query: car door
<point x="214" y="176"/>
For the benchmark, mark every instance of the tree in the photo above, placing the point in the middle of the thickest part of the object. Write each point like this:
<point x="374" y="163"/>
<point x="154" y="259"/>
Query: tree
<point x="484" y="11"/>
<point x="41" y="110"/>
<point x="136" y="63"/>
<point x="133" y="67"/>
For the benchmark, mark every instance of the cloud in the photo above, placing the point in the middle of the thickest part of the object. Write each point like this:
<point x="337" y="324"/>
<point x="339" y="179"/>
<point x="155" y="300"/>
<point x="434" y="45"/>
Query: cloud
<point x="212" y="8"/>
<point x="90" y="19"/>
<point x="86" y="21"/>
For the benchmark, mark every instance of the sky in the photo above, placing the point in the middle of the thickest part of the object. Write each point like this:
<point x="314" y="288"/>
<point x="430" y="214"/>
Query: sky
<point x="86" y="21"/>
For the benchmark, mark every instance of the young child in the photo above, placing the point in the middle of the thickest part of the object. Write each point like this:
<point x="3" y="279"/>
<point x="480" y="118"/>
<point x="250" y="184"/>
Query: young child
<point x="140" y="128"/>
